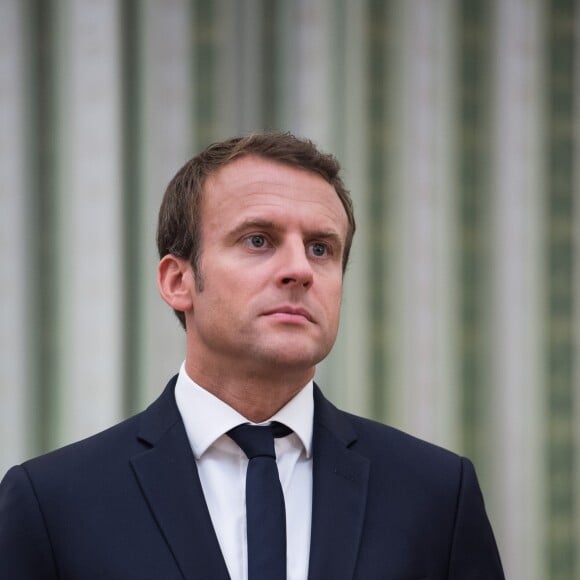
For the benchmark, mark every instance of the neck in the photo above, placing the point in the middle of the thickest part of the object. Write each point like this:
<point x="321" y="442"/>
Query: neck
<point x="256" y="397"/>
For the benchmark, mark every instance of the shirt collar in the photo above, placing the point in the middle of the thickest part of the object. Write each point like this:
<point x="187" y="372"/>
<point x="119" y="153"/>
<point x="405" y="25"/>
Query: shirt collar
<point x="206" y="418"/>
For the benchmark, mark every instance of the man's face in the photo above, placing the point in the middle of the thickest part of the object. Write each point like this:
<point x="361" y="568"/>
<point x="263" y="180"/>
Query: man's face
<point x="271" y="260"/>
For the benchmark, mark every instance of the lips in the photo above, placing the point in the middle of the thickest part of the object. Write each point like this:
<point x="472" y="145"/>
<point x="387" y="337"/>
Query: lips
<point x="290" y="311"/>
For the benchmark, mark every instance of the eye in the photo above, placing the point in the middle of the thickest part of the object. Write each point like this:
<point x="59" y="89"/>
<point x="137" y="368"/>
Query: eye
<point x="256" y="241"/>
<point x="319" y="249"/>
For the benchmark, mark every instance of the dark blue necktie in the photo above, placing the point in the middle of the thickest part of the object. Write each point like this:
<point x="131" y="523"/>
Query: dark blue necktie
<point x="265" y="512"/>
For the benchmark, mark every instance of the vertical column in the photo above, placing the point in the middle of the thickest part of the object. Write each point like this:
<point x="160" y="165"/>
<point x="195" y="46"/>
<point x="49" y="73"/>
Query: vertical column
<point x="230" y="67"/>
<point x="204" y="63"/>
<point x="272" y="27"/>
<point x="423" y="221"/>
<point x="238" y="67"/>
<point x="15" y="246"/>
<point x="380" y="32"/>
<point x="311" y="84"/>
<point x="89" y="203"/>
<point x="576" y="286"/>
<point x="516" y="297"/>
<point x="473" y="206"/>
<point x="166" y="131"/>
<point x="286" y="23"/>
<point x="562" y="300"/>
<point x="227" y="48"/>
<point x="576" y="282"/>
<point x="347" y="374"/>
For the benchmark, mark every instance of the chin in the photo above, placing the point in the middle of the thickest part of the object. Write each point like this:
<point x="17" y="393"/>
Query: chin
<point x="296" y="358"/>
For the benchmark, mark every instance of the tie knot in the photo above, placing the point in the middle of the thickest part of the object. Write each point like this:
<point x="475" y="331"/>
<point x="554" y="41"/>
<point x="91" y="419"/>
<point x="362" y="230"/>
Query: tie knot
<point x="257" y="440"/>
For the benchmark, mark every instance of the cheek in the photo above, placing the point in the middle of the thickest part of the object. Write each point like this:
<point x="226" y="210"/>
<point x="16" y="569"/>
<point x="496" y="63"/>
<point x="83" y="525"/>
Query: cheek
<point x="336" y="290"/>
<point x="332" y="300"/>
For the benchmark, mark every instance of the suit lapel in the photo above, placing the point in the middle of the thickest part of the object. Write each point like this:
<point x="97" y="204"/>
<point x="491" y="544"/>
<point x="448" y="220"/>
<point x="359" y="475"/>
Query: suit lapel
<point x="340" y="481"/>
<point x="169" y="480"/>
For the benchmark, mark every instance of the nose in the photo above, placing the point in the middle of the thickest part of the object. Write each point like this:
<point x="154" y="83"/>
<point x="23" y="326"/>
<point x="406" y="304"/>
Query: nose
<point x="295" y="267"/>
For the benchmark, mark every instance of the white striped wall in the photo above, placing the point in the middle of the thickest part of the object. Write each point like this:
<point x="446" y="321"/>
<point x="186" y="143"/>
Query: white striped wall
<point x="15" y="321"/>
<point x="515" y="328"/>
<point x="126" y="108"/>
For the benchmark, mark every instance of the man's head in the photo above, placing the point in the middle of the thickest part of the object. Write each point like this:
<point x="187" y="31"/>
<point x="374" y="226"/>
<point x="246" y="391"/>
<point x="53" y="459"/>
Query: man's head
<point x="180" y="217"/>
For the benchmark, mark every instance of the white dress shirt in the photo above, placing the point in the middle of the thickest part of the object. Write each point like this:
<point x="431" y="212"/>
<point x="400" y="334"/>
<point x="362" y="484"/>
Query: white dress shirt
<point x="222" y="469"/>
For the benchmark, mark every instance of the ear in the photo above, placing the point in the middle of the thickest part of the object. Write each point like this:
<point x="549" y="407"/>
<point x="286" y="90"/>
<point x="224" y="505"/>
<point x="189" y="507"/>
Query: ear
<point x="175" y="282"/>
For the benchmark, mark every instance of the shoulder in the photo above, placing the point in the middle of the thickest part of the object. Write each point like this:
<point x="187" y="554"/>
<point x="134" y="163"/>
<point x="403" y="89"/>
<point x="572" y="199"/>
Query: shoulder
<point x="374" y="439"/>
<point x="416" y="476"/>
<point x="395" y="457"/>
<point x="379" y="439"/>
<point x="414" y="491"/>
<point x="84" y="465"/>
<point x="108" y="451"/>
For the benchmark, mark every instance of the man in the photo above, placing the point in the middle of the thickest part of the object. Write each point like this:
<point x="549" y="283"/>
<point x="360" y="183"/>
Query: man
<point x="254" y="236"/>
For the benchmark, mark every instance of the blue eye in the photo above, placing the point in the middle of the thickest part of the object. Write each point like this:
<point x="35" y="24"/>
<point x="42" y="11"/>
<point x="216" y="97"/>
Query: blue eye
<point x="319" y="250"/>
<point x="257" y="241"/>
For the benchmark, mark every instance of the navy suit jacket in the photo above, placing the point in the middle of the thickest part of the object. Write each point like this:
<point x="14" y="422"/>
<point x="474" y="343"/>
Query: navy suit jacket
<point x="127" y="504"/>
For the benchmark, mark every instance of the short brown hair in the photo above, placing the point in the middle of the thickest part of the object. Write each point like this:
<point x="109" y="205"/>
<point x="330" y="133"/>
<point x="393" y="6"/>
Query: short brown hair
<point x="179" y="225"/>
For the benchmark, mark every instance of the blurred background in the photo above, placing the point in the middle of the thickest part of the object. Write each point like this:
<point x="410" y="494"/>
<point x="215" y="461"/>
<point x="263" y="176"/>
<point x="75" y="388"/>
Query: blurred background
<point x="457" y="123"/>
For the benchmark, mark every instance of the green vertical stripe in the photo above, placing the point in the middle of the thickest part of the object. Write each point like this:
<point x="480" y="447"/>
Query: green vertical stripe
<point x="562" y="508"/>
<point x="270" y="53"/>
<point x="377" y="118"/>
<point x="44" y="219"/>
<point x="131" y="46"/>
<point x="206" y="44"/>
<point x="474" y="33"/>
<point x="338" y="47"/>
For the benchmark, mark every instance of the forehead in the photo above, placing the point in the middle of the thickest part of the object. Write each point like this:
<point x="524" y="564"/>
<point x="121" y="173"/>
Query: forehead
<point x="253" y="183"/>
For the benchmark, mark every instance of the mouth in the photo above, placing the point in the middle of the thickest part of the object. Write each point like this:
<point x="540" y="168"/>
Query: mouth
<point x="290" y="314"/>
